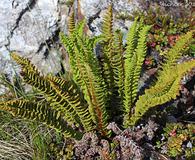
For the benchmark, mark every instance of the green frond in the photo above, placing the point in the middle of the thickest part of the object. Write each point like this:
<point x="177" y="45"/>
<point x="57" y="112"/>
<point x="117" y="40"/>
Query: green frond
<point x="71" y="23"/>
<point x="79" y="29"/>
<point x="79" y="50"/>
<point x="176" y="51"/>
<point x="166" y="89"/>
<point x="69" y="46"/>
<point x="133" y="66"/>
<point x="25" y="63"/>
<point x="107" y="26"/>
<point x="140" y="52"/>
<point x="118" y="63"/>
<point x="40" y="112"/>
<point x="92" y="42"/>
<point x="107" y="47"/>
<point x="87" y="52"/>
<point x="111" y="61"/>
<point x="80" y="76"/>
<point x="132" y="36"/>
<point x="107" y="73"/>
<point x="129" y="64"/>
<point x="70" y="92"/>
<point x="98" y="100"/>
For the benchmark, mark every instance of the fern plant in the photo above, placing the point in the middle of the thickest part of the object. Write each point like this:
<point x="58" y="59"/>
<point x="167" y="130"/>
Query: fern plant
<point x="98" y="87"/>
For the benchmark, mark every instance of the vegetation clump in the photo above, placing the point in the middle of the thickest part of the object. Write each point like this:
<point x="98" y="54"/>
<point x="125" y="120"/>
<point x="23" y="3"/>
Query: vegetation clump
<point x="179" y="140"/>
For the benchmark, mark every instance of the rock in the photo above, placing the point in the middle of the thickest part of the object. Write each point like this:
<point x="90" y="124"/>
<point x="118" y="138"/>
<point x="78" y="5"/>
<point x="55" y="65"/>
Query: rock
<point x="94" y="12"/>
<point x="29" y="27"/>
<point x="51" y="64"/>
<point x="6" y="66"/>
<point x="189" y="145"/>
<point x="90" y="7"/>
<point x="9" y="16"/>
<point x="171" y="119"/>
<point x="36" y="26"/>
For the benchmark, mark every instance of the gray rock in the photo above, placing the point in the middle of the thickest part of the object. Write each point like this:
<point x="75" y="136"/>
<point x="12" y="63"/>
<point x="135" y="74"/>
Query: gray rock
<point x="171" y="119"/>
<point x="91" y="7"/>
<point x="94" y="12"/>
<point x="6" y="64"/>
<point x="189" y="145"/>
<point x="35" y="27"/>
<point x="9" y="14"/>
<point x="27" y="27"/>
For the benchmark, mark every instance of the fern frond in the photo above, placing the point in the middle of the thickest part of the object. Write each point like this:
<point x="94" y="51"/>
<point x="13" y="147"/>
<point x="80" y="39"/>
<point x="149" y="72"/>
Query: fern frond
<point x="72" y="46"/>
<point x="129" y="63"/>
<point x="71" y="23"/>
<point x="132" y="36"/>
<point x="92" y="42"/>
<point x="107" y="46"/>
<point x="118" y="63"/>
<point x="79" y="70"/>
<point x="98" y="101"/>
<point x="40" y="112"/>
<point x="24" y="62"/>
<point x="57" y="102"/>
<point x="141" y="51"/>
<point x="107" y="26"/>
<point x="111" y="60"/>
<point x="176" y="51"/>
<point x="79" y="29"/>
<point x="69" y="91"/>
<point x="69" y="46"/>
<point x="162" y="92"/>
<point x="133" y="66"/>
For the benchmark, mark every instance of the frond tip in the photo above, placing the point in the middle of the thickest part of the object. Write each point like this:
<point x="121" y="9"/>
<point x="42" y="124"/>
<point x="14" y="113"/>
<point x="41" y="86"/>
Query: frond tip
<point x="25" y="63"/>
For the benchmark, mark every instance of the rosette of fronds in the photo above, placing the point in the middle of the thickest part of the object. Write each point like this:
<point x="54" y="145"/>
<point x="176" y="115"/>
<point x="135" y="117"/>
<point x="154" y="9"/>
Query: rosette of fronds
<point x="97" y="89"/>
